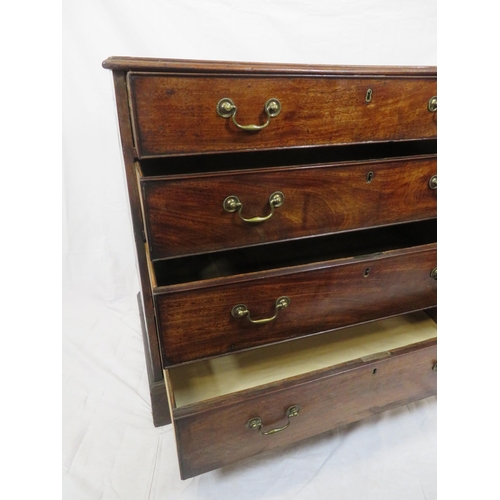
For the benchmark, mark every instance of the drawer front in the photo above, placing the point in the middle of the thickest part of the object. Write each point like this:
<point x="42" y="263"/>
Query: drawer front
<point x="218" y="436"/>
<point x="174" y="114"/>
<point x="198" y="323"/>
<point x="187" y="216"/>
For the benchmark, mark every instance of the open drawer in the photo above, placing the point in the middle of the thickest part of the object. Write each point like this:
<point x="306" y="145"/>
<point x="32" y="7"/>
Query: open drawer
<point x="222" y="303"/>
<point x="195" y="213"/>
<point x="175" y="114"/>
<point x="233" y="407"/>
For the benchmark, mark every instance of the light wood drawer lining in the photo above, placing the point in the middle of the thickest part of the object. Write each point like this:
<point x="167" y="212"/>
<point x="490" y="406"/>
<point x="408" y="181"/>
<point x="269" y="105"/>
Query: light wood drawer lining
<point x="217" y="377"/>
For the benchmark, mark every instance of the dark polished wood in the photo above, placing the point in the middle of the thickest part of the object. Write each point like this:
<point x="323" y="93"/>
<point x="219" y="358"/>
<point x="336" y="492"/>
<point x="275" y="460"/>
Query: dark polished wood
<point x="160" y="410"/>
<point x="157" y="389"/>
<point x="197" y="323"/>
<point x="177" y="114"/>
<point x="213" y="434"/>
<point x="198" y="66"/>
<point x="184" y="214"/>
<point x="345" y="247"/>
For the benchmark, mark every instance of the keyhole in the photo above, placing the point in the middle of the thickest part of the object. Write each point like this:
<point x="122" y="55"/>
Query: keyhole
<point x="367" y="272"/>
<point x="374" y="372"/>
<point x="368" y="96"/>
<point x="369" y="177"/>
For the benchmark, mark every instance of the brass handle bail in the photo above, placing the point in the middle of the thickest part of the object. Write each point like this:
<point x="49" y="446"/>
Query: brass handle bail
<point x="241" y="310"/>
<point x="256" y="422"/>
<point x="227" y="109"/>
<point x="232" y="204"/>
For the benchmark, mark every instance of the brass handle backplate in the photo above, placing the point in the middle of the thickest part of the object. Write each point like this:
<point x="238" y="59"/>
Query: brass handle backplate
<point x="434" y="274"/>
<point x="232" y="204"/>
<point x="433" y="182"/>
<point x="256" y="422"/>
<point x="227" y="109"/>
<point x="241" y="310"/>
<point x="432" y="105"/>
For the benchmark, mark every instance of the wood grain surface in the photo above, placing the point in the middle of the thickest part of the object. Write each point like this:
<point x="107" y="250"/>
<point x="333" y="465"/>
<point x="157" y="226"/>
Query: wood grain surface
<point x="214" y="434"/>
<point x="168" y="121"/>
<point x="159" y="406"/>
<point x="197" y="323"/>
<point x="184" y="214"/>
<point x="177" y="114"/>
<point x="215" y="67"/>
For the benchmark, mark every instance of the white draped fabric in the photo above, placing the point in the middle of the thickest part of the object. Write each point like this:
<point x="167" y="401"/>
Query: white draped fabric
<point x="111" y="451"/>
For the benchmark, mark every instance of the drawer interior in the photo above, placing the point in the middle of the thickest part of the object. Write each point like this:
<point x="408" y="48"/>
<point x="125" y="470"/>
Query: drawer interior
<point x="293" y="253"/>
<point x="204" y="380"/>
<point x="196" y="164"/>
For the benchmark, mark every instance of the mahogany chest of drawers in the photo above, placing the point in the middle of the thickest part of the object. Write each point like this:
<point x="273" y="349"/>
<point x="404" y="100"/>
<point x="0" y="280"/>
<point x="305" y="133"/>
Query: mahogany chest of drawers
<point x="285" y="225"/>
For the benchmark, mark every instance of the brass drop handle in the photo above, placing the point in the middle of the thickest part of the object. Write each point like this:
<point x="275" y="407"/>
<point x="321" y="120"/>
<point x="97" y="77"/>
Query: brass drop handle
<point x="232" y="204"/>
<point x="227" y="109"/>
<point x="256" y="422"/>
<point x="241" y="310"/>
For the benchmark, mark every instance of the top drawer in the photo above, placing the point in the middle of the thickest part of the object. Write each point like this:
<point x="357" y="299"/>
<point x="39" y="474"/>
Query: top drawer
<point x="177" y="114"/>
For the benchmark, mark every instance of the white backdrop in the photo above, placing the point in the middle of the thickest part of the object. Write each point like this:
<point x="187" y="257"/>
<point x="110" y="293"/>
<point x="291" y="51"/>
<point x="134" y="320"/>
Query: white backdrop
<point x="110" y="448"/>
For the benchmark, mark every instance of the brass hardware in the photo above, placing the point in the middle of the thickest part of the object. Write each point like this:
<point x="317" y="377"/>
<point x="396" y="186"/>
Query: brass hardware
<point x="232" y="204"/>
<point x="241" y="310"/>
<point x="434" y="274"/>
<point x="367" y="272"/>
<point x="369" y="177"/>
<point x="227" y="109"/>
<point x="256" y="422"/>
<point x="432" y="105"/>
<point x="435" y="367"/>
<point x="368" y="96"/>
<point x="433" y="182"/>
